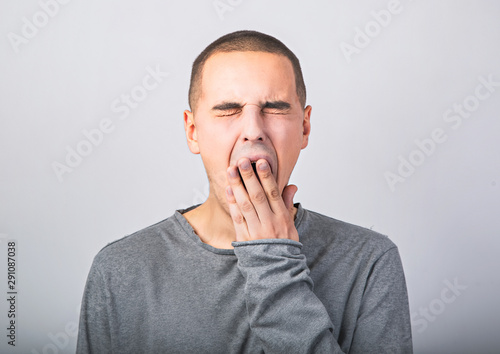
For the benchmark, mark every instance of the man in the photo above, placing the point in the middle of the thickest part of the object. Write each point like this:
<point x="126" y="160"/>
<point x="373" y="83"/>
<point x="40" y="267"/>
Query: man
<point x="248" y="271"/>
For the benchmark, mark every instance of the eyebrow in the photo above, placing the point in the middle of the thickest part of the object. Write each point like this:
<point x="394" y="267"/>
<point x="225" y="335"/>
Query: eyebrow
<point x="226" y="106"/>
<point x="277" y="105"/>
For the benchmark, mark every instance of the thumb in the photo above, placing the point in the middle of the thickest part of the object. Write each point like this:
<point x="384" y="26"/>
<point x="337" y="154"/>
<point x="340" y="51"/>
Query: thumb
<point x="288" y="194"/>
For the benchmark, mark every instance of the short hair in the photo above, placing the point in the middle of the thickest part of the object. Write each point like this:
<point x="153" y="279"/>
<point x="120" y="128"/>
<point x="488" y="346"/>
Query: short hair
<point x="244" y="41"/>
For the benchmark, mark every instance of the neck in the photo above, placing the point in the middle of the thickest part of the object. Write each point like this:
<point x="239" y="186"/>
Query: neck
<point x="212" y="223"/>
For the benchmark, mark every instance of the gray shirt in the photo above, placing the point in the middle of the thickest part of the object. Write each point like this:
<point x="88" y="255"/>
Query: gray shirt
<point x="162" y="290"/>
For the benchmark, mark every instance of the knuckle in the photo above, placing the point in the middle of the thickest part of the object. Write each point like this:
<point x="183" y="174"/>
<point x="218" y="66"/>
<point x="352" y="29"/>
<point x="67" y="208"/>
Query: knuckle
<point x="238" y="219"/>
<point x="259" y="197"/>
<point x="246" y="174"/>
<point x="265" y="174"/>
<point x="231" y="200"/>
<point x="274" y="194"/>
<point x="246" y="206"/>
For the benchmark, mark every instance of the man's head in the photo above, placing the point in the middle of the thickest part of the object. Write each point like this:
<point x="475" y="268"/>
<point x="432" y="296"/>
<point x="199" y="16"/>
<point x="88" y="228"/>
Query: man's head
<point x="243" y="41"/>
<point x="246" y="104"/>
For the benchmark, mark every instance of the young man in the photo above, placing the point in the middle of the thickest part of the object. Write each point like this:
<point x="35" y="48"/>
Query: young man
<point x="248" y="271"/>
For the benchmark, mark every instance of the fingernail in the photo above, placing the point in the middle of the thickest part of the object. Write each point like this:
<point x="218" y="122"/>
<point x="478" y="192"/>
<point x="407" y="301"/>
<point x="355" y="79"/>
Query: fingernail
<point x="229" y="191"/>
<point x="263" y="166"/>
<point x="245" y="165"/>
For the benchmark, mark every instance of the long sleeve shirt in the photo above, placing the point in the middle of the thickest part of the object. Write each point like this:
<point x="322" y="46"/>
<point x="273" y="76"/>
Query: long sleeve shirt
<point x="341" y="289"/>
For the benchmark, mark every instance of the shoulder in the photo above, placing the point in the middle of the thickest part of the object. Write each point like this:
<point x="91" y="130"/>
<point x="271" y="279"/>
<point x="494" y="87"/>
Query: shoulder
<point x="321" y="232"/>
<point x="135" y="249"/>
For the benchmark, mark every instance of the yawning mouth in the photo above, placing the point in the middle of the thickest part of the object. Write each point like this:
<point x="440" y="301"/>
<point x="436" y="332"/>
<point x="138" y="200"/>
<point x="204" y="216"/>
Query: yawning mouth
<point x="254" y="166"/>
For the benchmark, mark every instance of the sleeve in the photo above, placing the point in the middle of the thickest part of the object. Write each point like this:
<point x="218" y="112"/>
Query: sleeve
<point x="383" y="324"/>
<point x="94" y="330"/>
<point x="282" y="309"/>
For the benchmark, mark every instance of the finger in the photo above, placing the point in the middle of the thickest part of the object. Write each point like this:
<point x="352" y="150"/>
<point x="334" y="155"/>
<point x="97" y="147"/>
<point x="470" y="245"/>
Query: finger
<point x="270" y="187"/>
<point x="239" y="222"/>
<point x="254" y="189"/>
<point x="242" y="199"/>
<point x="288" y="194"/>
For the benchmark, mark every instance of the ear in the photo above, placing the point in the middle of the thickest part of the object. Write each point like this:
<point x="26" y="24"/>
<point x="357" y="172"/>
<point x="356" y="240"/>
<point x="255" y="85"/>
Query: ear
<point x="306" y="126"/>
<point x="191" y="134"/>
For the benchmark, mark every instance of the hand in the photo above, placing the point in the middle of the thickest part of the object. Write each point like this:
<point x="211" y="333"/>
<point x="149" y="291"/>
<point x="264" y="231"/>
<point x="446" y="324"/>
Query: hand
<point x="259" y="211"/>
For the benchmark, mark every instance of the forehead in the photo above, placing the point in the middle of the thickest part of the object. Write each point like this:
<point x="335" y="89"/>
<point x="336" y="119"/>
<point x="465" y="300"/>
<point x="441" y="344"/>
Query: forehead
<point x="247" y="76"/>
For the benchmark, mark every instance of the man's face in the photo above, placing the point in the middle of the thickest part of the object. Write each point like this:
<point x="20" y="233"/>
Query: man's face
<point x="248" y="107"/>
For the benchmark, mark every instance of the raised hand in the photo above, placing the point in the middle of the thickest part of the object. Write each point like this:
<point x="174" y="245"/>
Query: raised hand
<point x="258" y="209"/>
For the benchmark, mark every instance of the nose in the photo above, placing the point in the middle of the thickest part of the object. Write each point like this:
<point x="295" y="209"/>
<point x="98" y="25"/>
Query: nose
<point x="253" y="124"/>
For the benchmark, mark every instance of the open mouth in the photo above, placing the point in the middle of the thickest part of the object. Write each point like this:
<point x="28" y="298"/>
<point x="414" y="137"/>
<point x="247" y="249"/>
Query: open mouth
<point x="254" y="166"/>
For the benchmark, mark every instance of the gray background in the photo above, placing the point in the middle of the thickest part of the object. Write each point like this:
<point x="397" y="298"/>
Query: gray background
<point x="368" y="110"/>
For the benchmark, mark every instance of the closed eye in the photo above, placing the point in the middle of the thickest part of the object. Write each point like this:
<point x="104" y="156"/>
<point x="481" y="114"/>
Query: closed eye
<point x="228" y="112"/>
<point x="275" y="111"/>
<point x="227" y="109"/>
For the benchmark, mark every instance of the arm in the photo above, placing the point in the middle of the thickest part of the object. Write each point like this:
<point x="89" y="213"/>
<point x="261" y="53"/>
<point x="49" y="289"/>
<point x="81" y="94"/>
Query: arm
<point x="94" y="331"/>
<point x="288" y="317"/>
<point x="383" y="324"/>
<point x="282" y="309"/>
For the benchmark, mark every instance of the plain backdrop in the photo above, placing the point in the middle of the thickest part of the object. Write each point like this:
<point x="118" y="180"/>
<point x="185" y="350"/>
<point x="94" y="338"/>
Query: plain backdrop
<point x="381" y="87"/>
